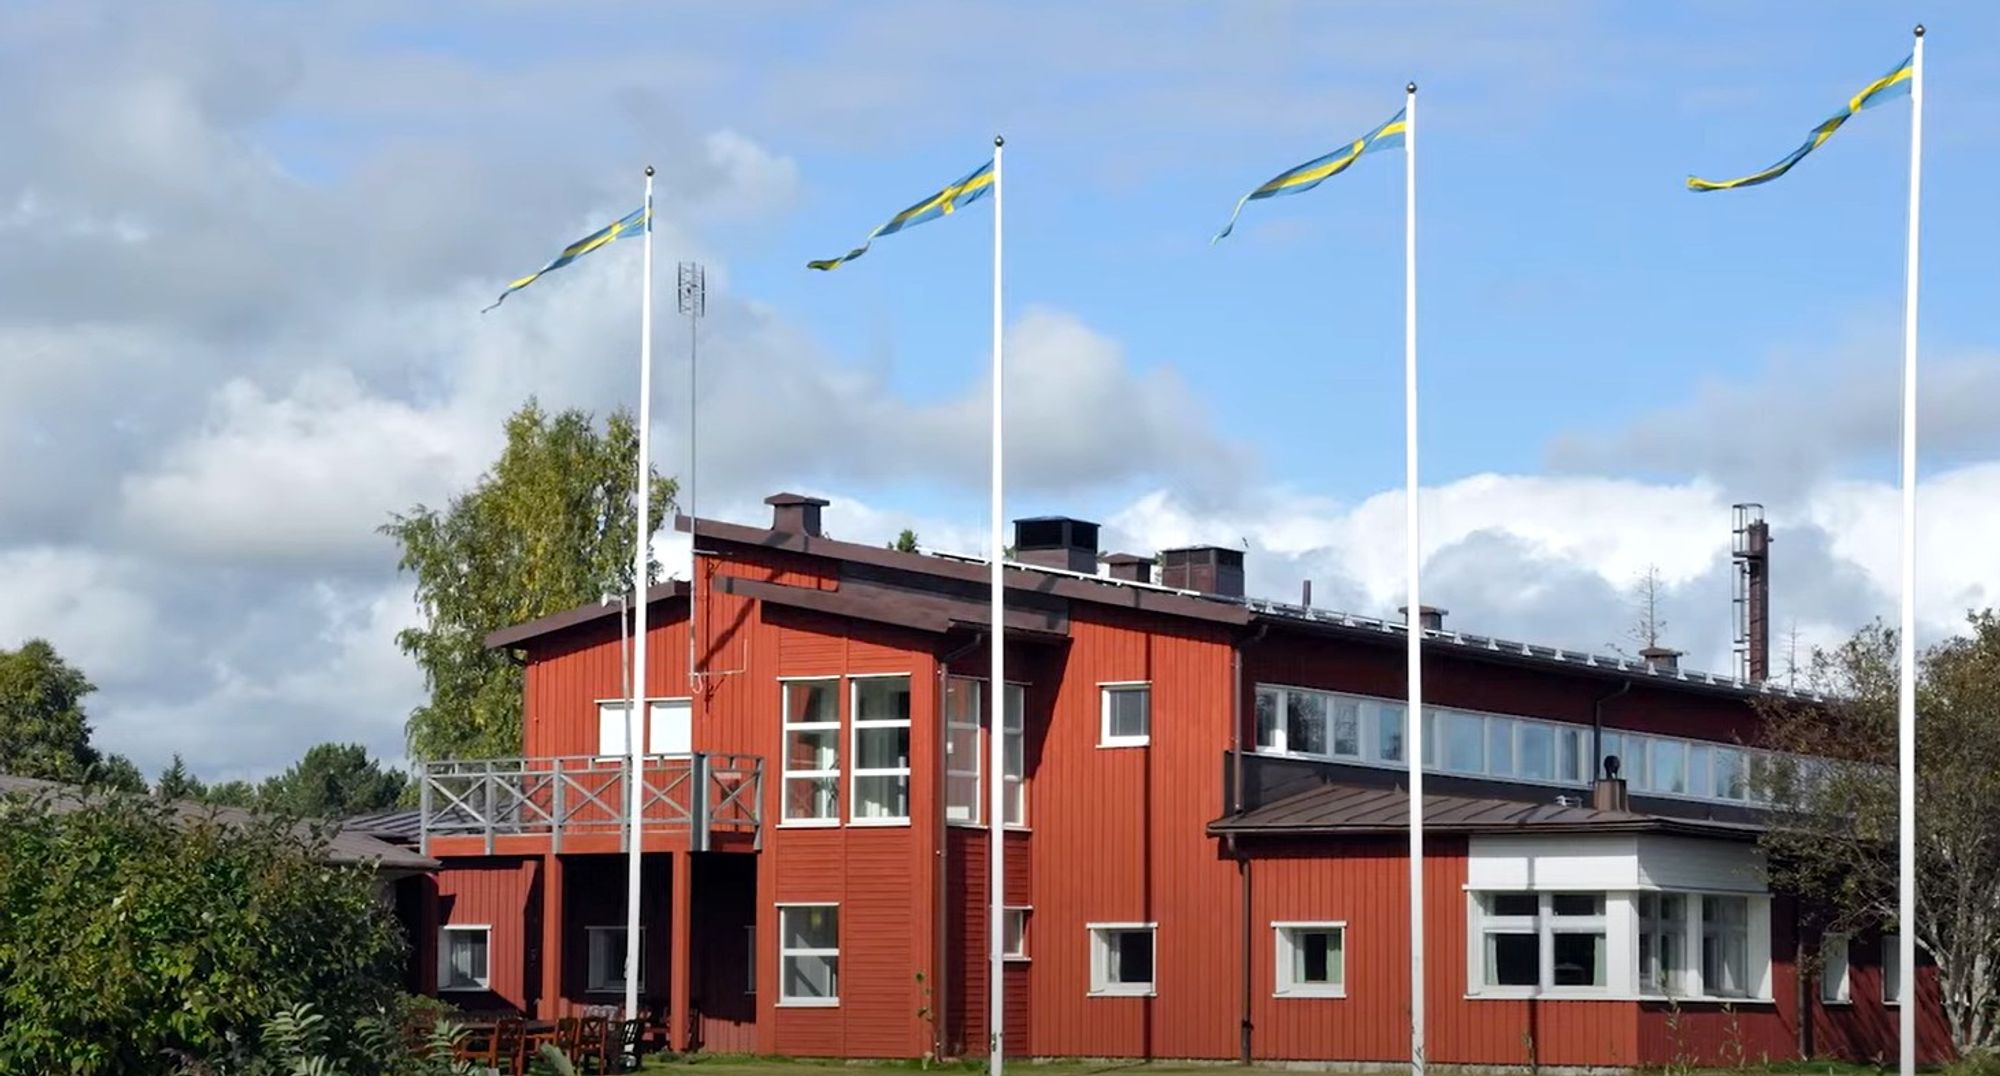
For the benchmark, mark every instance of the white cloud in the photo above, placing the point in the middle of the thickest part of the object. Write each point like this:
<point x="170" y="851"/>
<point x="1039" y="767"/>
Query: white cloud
<point x="92" y="607"/>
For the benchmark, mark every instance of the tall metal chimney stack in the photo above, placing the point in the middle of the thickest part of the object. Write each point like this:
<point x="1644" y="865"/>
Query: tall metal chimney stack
<point x="1751" y="549"/>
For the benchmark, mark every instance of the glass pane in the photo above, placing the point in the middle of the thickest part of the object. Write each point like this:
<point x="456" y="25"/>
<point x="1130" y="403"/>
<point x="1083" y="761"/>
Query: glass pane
<point x="812" y="976"/>
<point x="1015" y="719"/>
<point x="812" y="749"/>
<point x="1347" y="728"/>
<point x="1701" y="771"/>
<point x="1635" y="762"/>
<point x="1577" y="903"/>
<point x="1305" y="723"/>
<point x="1014" y="749"/>
<point x="1316" y="957"/>
<point x="1669" y="759"/>
<point x="1729" y="774"/>
<point x="882" y="748"/>
<point x="1128" y="711"/>
<point x="1017" y="932"/>
<point x="1513" y="904"/>
<point x="810" y="701"/>
<point x="810" y="928"/>
<point x="1579" y="959"/>
<point x="812" y="797"/>
<point x="1132" y="957"/>
<point x="1267" y="719"/>
<point x="1499" y="746"/>
<point x="1430" y="737"/>
<point x="1538" y="745"/>
<point x="1613" y="745"/>
<point x="1569" y="755"/>
<point x="961" y="746"/>
<point x="882" y="797"/>
<point x="962" y="799"/>
<point x="882" y="698"/>
<point x="1017" y="803"/>
<point x="1389" y="731"/>
<point x="961" y="701"/>
<point x="1464" y="742"/>
<point x="1513" y="960"/>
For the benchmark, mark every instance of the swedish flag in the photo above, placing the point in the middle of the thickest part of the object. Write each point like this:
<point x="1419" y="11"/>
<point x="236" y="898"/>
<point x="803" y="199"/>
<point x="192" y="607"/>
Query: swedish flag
<point x="973" y="186"/>
<point x="1310" y="174"/>
<point x="634" y="223"/>
<point x="1890" y="86"/>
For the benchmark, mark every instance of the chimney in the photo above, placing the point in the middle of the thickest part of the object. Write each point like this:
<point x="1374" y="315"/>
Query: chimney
<point x="1663" y="659"/>
<point x="1210" y="569"/>
<point x="1430" y="616"/>
<point x="795" y="513"/>
<point x="1306" y="593"/>
<point x="1608" y="792"/>
<point x="1751" y="549"/>
<point x="1130" y="567"/>
<point x="1057" y="542"/>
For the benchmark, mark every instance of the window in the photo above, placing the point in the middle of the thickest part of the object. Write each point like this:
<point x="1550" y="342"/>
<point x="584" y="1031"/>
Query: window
<point x="1509" y="940"/>
<point x="881" y="750"/>
<point x="1305" y="723"/>
<point x="606" y="971"/>
<point x="812" y="751"/>
<point x="1016" y="938"/>
<point x="1270" y="726"/>
<point x="1532" y="942"/>
<point x="1892" y="969"/>
<point x="1833" y="988"/>
<point x="1725" y="946"/>
<point x="1389" y="731"/>
<point x="1014" y="756"/>
<point x="1346" y="727"/>
<point x="611" y="729"/>
<point x="1577" y="940"/>
<point x="1572" y="762"/>
<point x="670" y="727"/>
<point x="462" y="957"/>
<point x="1121" y="958"/>
<point x="1663" y="943"/>
<point x="1537" y="751"/>
<point x="1128" y="718"/>
<point x="1669" y="759"/>
<point x="1311" y="960"/>
<point x="808" y="954"/>
<point x="1731" y="775"/>
<point x="1464" y="742"/>
<point x="1701" y="771"/>
<point x="961" y="751"/>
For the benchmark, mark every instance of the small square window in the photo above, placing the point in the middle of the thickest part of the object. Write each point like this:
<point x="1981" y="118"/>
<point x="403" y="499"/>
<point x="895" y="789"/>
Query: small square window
<point x="1121" y="959"/>
<point x="1311" y="960"/>
<point x="808" y="954"/>
<point x="463" y="954"/>
<point x="606" y="971"/>
<point x="1128" y="718"/>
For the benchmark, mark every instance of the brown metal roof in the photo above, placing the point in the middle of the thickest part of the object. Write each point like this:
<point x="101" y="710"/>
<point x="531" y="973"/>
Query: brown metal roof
<point x="344" y="845"/>
<point x="1347" y="809"/>
<point x="923" y="611"/>
<point x="582" y="614"/>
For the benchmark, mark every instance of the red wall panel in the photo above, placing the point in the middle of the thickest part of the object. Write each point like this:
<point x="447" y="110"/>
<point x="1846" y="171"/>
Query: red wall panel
<point x="500" y="893"/>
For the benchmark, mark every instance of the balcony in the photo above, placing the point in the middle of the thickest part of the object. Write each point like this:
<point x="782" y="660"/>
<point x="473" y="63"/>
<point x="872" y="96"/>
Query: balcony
<point x="581" y="803"/>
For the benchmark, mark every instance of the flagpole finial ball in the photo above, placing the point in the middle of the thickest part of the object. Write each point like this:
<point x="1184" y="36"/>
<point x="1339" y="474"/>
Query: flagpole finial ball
<point x="1920" y="29"/>
<point x="999" y="140"/>
<point x="649" y="170"/>
<point x="1411" y="88"/>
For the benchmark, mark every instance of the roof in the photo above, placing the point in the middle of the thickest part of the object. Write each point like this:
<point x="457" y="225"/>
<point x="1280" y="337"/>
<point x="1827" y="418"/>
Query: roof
<point x="582" y="614"/>
<point x="1336" y="809"/>
<point x="921" y="610"/>
<point x="346" y="844"/>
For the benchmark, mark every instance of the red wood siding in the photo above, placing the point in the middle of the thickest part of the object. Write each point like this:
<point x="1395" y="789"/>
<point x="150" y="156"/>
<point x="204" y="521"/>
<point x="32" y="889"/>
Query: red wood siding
<point x="966" y="1023"/>
<point x="502" y="894"/>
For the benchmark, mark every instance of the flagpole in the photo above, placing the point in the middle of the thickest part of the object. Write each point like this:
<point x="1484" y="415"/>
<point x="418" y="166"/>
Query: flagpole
<point x="1906" y="701"/>
<point x="996" y="874"/>
<point x="634" y="721"/>
<point x="1413" y="622"/>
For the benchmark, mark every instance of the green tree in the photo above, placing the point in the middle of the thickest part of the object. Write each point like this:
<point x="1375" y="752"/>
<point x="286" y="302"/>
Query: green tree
<point x="213" y="927"/>
<point x="1833" y="837"/>
<point x="547" y="528"/>
<point x="117" y="773"/>
<point x="231" y="794"/>
<point x="905" y="542"/>
<point x="332" y="780"/>
<point x="43" y="731"/>
<point x="177" y="782"/>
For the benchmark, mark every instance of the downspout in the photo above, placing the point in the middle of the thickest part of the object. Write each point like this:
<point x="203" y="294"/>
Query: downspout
<point x="1597" y="729"/>
<point x="941" y="933"/>
<point x="1242" y="859"/>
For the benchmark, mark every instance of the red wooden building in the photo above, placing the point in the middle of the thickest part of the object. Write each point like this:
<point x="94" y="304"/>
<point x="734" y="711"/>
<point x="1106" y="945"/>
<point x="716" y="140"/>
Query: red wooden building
<point x="1205" y="826"/>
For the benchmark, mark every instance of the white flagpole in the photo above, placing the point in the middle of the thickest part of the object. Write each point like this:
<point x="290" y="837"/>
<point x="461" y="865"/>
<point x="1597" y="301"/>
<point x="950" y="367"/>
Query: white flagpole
<point x="1413" y="721"/>
<point x="635" y="723"/>
<point x="1906" y="701"/>
<point x="996" y="874"/>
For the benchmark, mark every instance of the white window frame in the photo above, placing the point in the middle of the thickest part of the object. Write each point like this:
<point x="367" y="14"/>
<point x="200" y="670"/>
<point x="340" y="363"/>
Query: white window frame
<point x="1688" y="956"/>
<point x="1701" y="931"/>
<point x="956" y="768"/>
<point x="1014" y="747"/>
<point x="855" y="772"/>
<point x="1893" y="991"/>
<point x="480" y="986"/>
<point x="594" y="983"/>
<point x="1284" y="940"/>
<point x="1623" y="928"/>
<point x="1105" y="690"/>
<point x="621" y="705"/>
<point x="787" y="774"/>
<point x="786" y="1001"/>
<point x="1834" y="969"/>
<point x="1101" y="985"/>
<point x="1025" y="913"/>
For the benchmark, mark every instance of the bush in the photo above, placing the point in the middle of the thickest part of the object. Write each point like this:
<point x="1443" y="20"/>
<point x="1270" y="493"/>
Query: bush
<point x="131" y="934"/>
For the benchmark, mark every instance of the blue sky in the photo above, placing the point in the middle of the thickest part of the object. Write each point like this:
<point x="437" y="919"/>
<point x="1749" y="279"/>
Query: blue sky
<point x="243" y="247"/>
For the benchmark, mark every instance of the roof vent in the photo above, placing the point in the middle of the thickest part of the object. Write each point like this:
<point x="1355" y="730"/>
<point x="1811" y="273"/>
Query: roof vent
<point x="795" y="513"/>
<point x="1210" y="569"/>
<point x="1661" y="658"/>
<point x="1430" y="616"/>
<point x="1130" y="567"/>
<point x="1057" y="542"/>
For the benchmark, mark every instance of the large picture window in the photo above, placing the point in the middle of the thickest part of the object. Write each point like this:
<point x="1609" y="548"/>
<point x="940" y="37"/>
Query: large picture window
<point x="881" y="750"/>
<point x="812" y="751"/>
<point x="808" y="954"/>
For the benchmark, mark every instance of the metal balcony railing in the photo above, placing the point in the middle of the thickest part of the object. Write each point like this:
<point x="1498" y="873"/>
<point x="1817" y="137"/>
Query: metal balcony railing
<point x="573" y="795"/>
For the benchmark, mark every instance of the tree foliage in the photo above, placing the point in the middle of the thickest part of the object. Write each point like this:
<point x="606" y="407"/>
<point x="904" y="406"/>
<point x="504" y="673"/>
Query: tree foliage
<point x="43" y="731"/>
<point x="332" y="780"/>
<point x="129" y="929"/>
<point x="549" y="527"/>
<point x="1834" y="837"/>
<point x="906" y="542"/>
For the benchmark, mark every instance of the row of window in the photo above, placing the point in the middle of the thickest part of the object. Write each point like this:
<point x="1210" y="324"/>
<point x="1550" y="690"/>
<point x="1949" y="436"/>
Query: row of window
<point x="1356" y="728"/>
<point x="1834" y="985"/>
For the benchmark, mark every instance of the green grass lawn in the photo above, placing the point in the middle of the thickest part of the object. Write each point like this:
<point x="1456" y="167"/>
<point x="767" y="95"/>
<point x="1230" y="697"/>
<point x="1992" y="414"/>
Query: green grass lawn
<point x="740" y="1065"/>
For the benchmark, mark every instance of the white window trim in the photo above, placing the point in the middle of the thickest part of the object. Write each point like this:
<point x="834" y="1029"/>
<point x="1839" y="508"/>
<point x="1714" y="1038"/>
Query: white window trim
<point x="786" y="774"/>
<point x="1101" y="985"/>
<point x="785" y="1002"/>
<point x="1843" y="987"/>
<point x="1105" y="689"/>
<point x="1027" y="917"/>
<point x="1281" y="949"/>
<point x="1622" y="957"/>
<point x="1891" y="962"/>
<point x="954" y="768"/>
<point x="1019" y="782"/>
<point x="625" y="702"/>
<point x="444" y="957"/>
<point x="591" y="984"/>
<point x="856" y="772"/>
